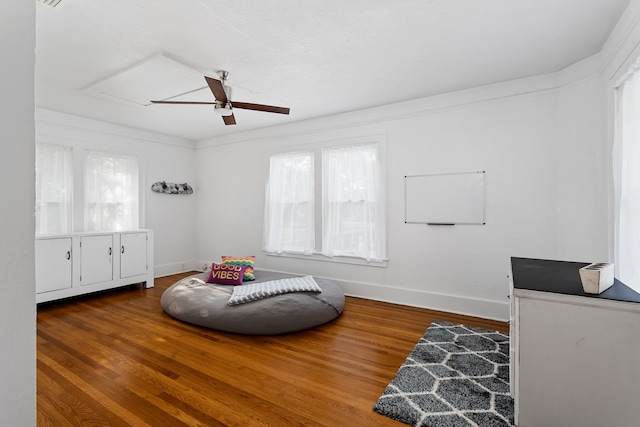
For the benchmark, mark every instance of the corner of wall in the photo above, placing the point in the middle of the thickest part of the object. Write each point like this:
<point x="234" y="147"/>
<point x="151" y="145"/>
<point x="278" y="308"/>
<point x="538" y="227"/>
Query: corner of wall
<point x="17" y="248"/>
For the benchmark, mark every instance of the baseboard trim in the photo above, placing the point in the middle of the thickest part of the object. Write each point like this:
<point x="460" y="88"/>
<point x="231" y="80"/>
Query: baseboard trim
<point x="486" y="309"/>
<point x="476" y="307"/>
<point x="175" y="268"/>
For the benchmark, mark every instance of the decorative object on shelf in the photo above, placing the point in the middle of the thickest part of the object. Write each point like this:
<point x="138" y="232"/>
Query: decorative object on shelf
<point x="596" y="278"/>
<point x="171" y="188"/>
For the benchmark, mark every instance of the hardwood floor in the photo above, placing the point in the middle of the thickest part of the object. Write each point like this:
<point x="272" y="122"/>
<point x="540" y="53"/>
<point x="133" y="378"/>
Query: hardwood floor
<point x="116" y="359"/>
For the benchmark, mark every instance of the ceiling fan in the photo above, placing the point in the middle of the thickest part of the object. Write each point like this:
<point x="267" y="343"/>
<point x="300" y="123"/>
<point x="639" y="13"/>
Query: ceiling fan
<point x="223" y="104"/>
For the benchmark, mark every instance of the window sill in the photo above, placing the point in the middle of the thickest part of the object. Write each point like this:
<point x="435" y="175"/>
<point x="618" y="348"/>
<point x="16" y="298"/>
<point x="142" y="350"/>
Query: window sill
<point x="336" y="259"/>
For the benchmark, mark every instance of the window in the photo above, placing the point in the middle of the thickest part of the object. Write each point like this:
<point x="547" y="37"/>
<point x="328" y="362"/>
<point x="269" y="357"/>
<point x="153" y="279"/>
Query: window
<point x="626" y="168"/>
<point x="54" y="188"/>
<point x="352" y="224"/>
<point x="109" y="202"/>
<point x="343" y="189"/>
<point x="110" y="192"/>
<point x="289" y="208"/>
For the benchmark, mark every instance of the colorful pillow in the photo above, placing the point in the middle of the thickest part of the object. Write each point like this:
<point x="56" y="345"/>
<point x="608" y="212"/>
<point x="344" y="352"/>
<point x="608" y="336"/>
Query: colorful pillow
<point x="222" y="274"/>
<point x="245" y="261"/>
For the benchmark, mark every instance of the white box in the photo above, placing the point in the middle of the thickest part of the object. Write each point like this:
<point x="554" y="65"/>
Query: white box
<point x="597" y="277"/>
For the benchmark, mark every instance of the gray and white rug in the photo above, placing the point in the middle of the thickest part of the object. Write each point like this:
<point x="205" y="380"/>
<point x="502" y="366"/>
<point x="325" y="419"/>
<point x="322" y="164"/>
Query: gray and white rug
<point x="456" y="376"/>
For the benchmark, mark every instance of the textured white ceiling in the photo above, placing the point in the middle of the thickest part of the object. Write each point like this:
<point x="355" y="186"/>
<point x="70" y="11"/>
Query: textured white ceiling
<point x="318" y="58"/>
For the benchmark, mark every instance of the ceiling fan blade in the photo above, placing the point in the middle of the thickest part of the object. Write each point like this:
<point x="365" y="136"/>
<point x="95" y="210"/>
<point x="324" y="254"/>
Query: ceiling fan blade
<point x="218" y="89"/>
<point x="182" y="102"/>
<point x="229" y="120"/>
<point x="260" y="107"/>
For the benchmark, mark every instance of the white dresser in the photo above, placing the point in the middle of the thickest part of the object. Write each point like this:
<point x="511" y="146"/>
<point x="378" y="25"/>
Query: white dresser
<point x="80" y="263"/>
<point x="575" y="356"/>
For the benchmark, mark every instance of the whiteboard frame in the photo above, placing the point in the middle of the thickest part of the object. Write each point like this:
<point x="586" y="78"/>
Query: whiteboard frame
<point x="480" y="221"/>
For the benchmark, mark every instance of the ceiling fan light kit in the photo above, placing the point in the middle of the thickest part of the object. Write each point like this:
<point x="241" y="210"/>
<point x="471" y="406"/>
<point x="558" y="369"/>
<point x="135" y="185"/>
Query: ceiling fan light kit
<point x="223" y="104"/>
<point x="223" y="110"/>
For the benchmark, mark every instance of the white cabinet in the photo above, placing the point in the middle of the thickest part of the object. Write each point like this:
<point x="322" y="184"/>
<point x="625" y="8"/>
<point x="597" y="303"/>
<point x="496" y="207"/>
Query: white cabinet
<point x="574" y="355"/>
<point x="53" y="265"/>
<point x="133" y="254"/>
<point x="96" y="264"/>
<point x="81" y="263"/>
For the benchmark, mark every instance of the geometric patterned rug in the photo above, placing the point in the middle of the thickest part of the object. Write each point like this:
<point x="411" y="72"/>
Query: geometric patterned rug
<point x="455" y="376"/>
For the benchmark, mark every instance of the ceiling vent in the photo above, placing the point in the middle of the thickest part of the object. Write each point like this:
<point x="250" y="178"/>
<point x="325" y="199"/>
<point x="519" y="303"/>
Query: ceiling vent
<point x="50" y="3"/>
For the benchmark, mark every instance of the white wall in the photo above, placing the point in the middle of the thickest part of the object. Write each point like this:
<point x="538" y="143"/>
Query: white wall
<point x="172" y="217"/>
<point x="524" y="133"/>
<point x="583" y="172"/>
<point x="17" y="157"/>
<point x="162" y="158"/>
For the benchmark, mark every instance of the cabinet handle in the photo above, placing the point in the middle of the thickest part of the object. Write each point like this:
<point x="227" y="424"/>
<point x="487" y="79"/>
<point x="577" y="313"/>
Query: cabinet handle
<point x="109" y="250"/>
<point x="68" y="254"/>
<point x="122" y="251"/>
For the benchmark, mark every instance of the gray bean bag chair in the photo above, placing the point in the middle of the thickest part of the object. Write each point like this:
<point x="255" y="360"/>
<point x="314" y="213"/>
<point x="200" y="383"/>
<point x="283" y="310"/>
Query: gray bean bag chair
<point x="194" y="301"/>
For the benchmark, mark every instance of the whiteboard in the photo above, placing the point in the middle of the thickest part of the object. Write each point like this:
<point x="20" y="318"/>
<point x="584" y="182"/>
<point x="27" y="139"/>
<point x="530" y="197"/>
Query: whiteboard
<point x="445" y="199"/>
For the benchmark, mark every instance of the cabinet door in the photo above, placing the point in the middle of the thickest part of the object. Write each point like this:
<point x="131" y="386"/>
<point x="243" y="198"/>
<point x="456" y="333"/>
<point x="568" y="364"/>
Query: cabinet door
<point x="97" y="259"/>
<point x="578" y="362"/>
<point x="133" y="254"/>
<point x="53" y="264"/>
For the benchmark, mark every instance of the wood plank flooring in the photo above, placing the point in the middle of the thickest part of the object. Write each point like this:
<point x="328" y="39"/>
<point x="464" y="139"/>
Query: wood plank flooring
<point x="116" y="359"/>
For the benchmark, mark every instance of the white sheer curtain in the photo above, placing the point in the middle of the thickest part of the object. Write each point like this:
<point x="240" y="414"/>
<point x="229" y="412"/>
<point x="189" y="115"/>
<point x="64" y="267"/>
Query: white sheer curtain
<point x="289" y="204"/>
<point x="54" y="189"/>
<point x="626" y="170"/>
<point x="110" y="192"/>
<point x="353" y="220"/>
